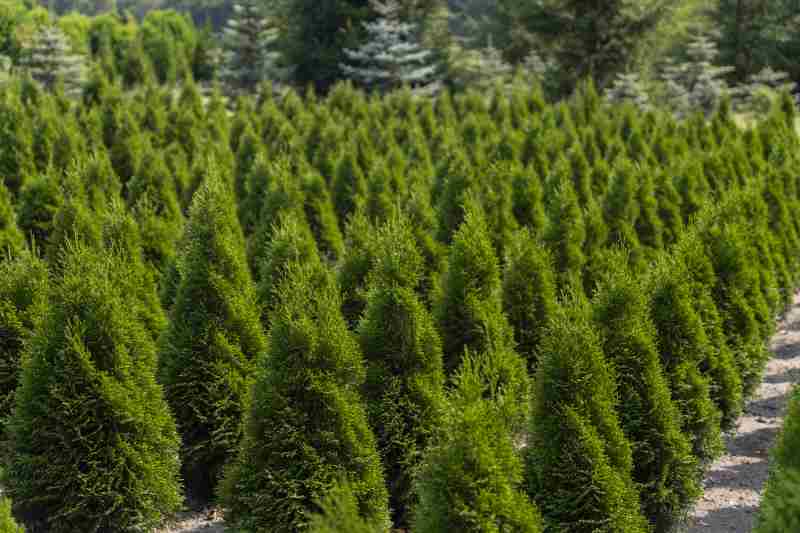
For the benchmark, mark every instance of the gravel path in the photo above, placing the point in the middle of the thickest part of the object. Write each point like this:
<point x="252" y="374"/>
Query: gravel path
<point x="734" y="483"/>
<point x="208" y="521"/>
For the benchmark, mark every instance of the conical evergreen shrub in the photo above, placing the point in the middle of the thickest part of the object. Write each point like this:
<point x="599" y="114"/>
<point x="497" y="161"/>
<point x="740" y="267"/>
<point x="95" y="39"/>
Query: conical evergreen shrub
<point x="339" y="513"/>
<point x="663" y="466"/>
<point x="469" y="310"/>
<point x="214" y="335"/>
<point x="88" y="393"/>
<point x="306" y="427"/>
<point x="566" y="233"/>
<point x="24" y="292"/>
<point x="12" y="240"/>
<point x="579" y="462"/>
<point x="404" y="388"/>
<point x="471" y="479"/>
<point x="685" y="349"/>
<point x="529" y="293"/>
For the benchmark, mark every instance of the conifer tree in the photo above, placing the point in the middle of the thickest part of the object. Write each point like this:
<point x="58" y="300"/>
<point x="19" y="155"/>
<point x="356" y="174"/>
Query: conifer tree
<point x="529" y="293"/>
<point x="24" y="286"/>
<point x="306" y="427"/>
<point x="355" y="266"/>
<point x="38" y="203"/>
<point x="7" y="522"/>
<point x="12" y="240"/>
<point x="579" y="461"/>
<point x="472" y="477"/>
<point x="684" y="347"/>
<point x="207" y="352"/>
<point x="249" y="54"/>
<point x="405" y="378"/>
<point x="339" y="513"/>
<point x="470" y="308"/>
<point x="50" y="60"/>
<point x="88" y="386"/>
<point x="392" y="55"/>
<point x="566" y="233"/>
<point x="664" y="468"/>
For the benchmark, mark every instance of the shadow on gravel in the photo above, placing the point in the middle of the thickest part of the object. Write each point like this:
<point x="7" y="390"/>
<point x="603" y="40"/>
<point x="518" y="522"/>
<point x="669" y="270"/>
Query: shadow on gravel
<point x="785" y="350"/>
<point x="772" y="407"/>
<point x="742" y="476"/>
<point x="754" y="443"/>
<point x="725" y="520"/>
<point x="791" y="375"/>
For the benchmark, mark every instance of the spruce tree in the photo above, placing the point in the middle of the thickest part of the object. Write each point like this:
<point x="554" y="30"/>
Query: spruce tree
<point x="405" y="378"/>
<point x="306" y="427"/>
<point x="12" y="240"/>
<point x="249" y="54"/>
<point x="664" y="468"/>
<point x="88" y="388"/>
<point x="579" y="462"/>
<point x="529" y="293"/>
<point x="392" y="55"/>
<point x="207" y="352"/>
<point x="50" y="60"/>
<point x="472" y="477"/>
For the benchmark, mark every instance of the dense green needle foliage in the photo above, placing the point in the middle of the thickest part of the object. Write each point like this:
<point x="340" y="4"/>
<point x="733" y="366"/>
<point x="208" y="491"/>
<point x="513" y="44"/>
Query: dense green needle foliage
<point x="306" y="427"/>
<point x="214" y="335"/>
<point x="88" y="393"/>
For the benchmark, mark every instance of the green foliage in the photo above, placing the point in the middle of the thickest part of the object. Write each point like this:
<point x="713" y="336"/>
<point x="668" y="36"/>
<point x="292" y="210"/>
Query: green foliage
<point x="306" y="427"/>
<point x="339" y="513"/>
<point x="529" y="294"/>
<point x="24" y="285"/>
<point x="7" y="522"/>
<point x="472" y="478"/>
<point x="579" y="462"/>
<point x="11" y="239"/>
<point x="88" y="386"/>
<point x="214" y="335"/>
<point x="469" y="310"/>
<point x="664" y="469"/>
<point x="405" y="378"/>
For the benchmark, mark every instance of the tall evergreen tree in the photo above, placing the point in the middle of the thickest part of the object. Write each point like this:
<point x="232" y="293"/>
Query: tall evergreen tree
<point x="213" y="337"/>
<point x="88" y="393"/>
<point x="306" y="427"/>
<point x="249" y="53"/>
<point x="392" y="55"/>
<point x="50" y="60"/>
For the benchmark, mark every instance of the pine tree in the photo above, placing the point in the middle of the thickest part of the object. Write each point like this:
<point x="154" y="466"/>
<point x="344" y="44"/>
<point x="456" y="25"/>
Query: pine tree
<point x="579" y="462"/>
<point x="50" y="59"/>
<point x="12" y="241"/>
<point x="306" y="427"/>
<point x="88" y="386"/>
<point x="249" y="54"/>
<point x="392" y="55"/>
<point x="24" y="287"/>
<point x="472" y="477"/>
<point x="664" y="467"/>
<point x="529" y="294"/>
<point x="213" y="337"/>
<point x="405" y="378"/>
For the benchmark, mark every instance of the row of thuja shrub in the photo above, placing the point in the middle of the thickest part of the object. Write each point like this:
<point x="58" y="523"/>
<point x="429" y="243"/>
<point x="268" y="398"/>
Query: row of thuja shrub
<point x="478" y="314"/>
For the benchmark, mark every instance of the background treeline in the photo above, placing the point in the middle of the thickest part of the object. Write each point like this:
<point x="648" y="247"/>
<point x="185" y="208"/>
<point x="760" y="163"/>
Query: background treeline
<point x="706" y="46"/>
<point x="471" y="312"/>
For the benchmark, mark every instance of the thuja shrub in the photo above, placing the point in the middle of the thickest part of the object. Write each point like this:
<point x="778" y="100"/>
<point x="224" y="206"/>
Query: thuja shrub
<point x="471" y="479"/>
<point x="24" y="287"/>
<point x="663" y="465"/>
<point x="91" y="443"/>
<point x="306" y="427"/>
<point x="579" y="462"/>
<point x="339" y="513"/>
<point x="11" y="238"/>
<point x="214" y="335"/>
<point x="404" y="387"/>
<point x="780" y="506"/>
